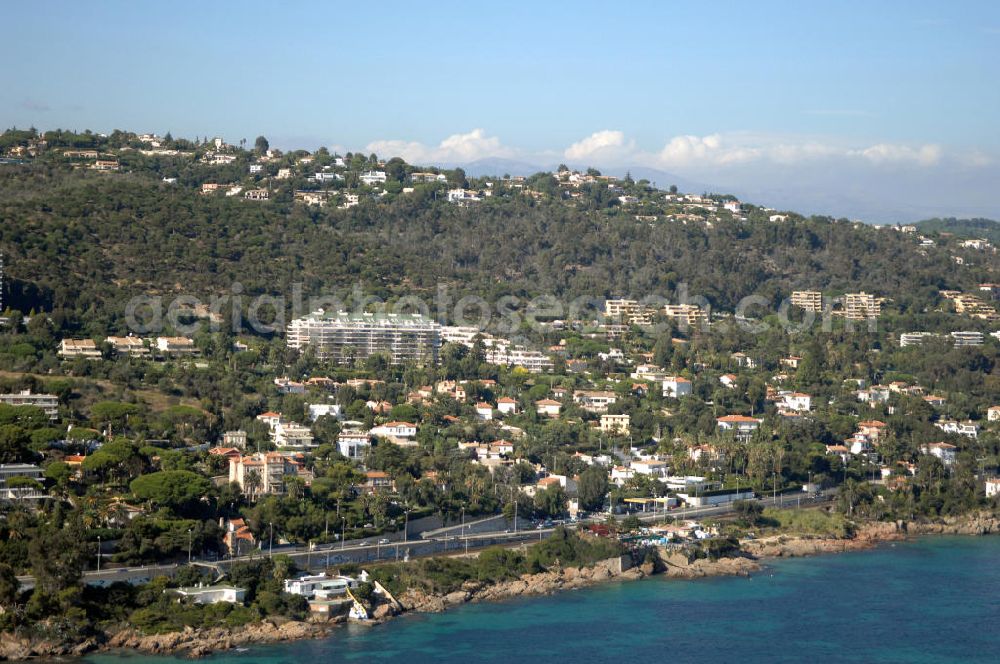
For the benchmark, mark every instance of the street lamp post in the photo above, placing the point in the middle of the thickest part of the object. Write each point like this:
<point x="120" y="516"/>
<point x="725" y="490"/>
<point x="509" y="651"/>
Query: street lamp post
<point x="270" y="540"/>
<point x="190" y="540"/>
<point x="98" y="553"/>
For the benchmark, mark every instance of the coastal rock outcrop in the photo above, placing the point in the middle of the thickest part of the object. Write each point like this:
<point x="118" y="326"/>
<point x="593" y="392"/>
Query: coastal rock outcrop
<point x="200" y="642"/>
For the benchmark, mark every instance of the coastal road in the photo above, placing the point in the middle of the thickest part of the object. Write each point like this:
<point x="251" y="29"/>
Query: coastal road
<point x="451" y="540"/>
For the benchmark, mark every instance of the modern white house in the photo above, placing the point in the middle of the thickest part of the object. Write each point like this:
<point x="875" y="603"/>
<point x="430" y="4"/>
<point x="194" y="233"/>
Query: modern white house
<point x="176" y="346"/>
<point x="740" y="425"/>
<point x="211" y="594"/>
<point x="595" y="401"/>
<point x="372" y="178"/>
<point x="354" y="444"/>
<point x="969" y="429"/>
<point x="318" y="410"/>
<point x="675" y="387"/>
<point x="507" y="406"/>
<point x="395" y="430"/>
<point x="652" y="467"/>
<point x="944" y="451"/>
<point x="322" y="586"/>
<point x="292" y="436"/>
<point x="797" y="401"/>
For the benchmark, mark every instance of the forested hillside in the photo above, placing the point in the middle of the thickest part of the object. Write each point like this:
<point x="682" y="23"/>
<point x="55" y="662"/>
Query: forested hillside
<point x="81" y="243"/>
<point x="971" y="228"/>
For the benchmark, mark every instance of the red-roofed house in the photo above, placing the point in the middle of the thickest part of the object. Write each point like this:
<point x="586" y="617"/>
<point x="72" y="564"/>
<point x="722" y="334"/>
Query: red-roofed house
<point x="507" y="406"/>
<point x="740" y="425"/>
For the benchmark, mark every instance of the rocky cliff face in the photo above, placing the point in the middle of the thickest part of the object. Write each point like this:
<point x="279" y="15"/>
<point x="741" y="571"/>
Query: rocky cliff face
<point x="979" y="523"/>
<point x="200" y="642"/>
<point x="870" y="534"/>
<point x="677" y="565"/>
<point x="191" y="642"/>
<point x="543" y="583"/>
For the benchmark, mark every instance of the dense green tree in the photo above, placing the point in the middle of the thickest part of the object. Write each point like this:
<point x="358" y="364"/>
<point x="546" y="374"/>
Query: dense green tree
<point x="592" y="488"/>
<point x="178" y="490"/>
<point x="551" y="502"/>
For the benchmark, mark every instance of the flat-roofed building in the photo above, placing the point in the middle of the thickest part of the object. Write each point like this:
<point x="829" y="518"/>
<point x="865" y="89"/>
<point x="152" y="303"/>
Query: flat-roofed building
<point x="690" y="315"/>
<point x="628" y="312"/>
<point x="79" y="348"/>
<point x="861" y="306"/>
<point x="9" y="471"/>
<point x="809" y="300"/>
<point x="131" y="346"/>
<point x="967" y="338"/>
<point x="176" y="346"/>
<point x="47" y="402"/>
<point x="344" y="337"/>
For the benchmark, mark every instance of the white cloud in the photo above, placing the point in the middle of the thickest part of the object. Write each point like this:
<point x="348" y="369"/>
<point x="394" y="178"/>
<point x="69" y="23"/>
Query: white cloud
<point x="607" y="144"/>
<point x="712" y="149"/>
<point x="455" y="148"/>
<point x="925" y="155"/>
<point x="688" y="151"/>
<point x="613" y="148"/>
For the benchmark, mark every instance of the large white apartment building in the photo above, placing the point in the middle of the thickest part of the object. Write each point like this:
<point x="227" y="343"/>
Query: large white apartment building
<point x="344" y="337"/>
<point x="532" y="360"/>
<point x="47" y="402"/>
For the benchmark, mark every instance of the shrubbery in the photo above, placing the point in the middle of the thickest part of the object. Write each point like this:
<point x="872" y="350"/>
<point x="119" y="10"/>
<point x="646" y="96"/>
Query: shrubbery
<point x="496" y="564"/>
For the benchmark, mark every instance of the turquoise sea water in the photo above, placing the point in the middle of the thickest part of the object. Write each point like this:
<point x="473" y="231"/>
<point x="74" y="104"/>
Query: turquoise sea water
<point x="933" y="600"/>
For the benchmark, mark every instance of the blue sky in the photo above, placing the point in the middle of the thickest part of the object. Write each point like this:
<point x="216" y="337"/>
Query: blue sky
<point x="727" y="93"/>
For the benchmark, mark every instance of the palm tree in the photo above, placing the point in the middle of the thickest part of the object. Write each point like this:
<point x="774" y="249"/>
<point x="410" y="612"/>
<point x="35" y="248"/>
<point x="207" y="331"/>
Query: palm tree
<point x="252" y="483"/>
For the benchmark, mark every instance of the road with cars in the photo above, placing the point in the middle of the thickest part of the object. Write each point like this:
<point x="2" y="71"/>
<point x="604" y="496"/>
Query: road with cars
<point x="456" y="539"/>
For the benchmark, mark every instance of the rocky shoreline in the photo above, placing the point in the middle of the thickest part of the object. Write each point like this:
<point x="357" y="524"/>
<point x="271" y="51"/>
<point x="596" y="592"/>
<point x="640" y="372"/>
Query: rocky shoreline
<point x="196" y="643"/>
